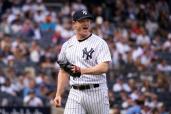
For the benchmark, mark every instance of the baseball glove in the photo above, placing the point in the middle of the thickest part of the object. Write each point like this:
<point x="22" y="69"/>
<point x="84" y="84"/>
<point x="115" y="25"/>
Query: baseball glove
<point x="71" y="69"/>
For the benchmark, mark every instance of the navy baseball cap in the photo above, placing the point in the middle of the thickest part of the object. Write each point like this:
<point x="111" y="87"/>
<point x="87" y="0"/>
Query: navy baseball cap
<point x="82" y="14"/>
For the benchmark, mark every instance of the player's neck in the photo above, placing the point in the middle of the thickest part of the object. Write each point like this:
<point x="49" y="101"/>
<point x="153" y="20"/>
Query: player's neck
<point x="82" y="38"/>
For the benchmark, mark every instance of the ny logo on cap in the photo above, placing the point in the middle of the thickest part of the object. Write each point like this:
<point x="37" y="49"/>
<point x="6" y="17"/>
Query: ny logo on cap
<point x="84" y="12"/>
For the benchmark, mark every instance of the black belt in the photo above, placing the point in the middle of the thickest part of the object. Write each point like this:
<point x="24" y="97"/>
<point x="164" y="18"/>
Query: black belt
<point x="83" y="87"/>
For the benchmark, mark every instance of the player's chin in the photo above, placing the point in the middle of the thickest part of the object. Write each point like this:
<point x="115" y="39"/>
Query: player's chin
<point x="84" y="35"/>
<point x="85" y="32"/>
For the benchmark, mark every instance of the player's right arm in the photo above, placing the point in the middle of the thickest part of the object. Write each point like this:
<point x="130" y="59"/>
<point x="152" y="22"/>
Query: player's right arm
<point x="61" y="84"/>
<point x="62" y="81"/>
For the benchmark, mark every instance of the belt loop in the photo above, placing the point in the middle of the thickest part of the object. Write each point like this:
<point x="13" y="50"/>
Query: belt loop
<point x="92" y="86"/>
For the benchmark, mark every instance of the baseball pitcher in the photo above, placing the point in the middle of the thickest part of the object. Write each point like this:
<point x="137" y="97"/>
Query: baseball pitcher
<point x="84" y="60"/>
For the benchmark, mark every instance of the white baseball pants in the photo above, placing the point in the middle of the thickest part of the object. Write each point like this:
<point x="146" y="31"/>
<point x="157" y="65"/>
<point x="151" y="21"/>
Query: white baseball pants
<point x="89" y="101"/>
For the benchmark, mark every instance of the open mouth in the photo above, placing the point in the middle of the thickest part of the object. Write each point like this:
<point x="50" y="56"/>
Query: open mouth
<point x="85" y="28"/>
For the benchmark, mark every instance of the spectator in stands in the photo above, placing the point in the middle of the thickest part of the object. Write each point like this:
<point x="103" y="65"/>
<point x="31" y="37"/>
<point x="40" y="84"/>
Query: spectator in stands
<point x="2" y="78"/>
<point x="163" y="66"/>
<point x="162" y="109"/>
<point x="136" y="108"/>
<point x="47" y="24"/>
<point x="126" y="101"/>
<point x="121" y="85"/>
<point x="27" y="29"/>
<point x="162" y="83"/>
<point x="64" y="29"/>
<point x="111" y="98"/>
<point x="116" y="110"/>
<point x="155" y="111"/>
<point x="8" y="88"/>
<point x="35" y="52"/>
<point x="32" y="100"/>
<point x="31" y="87"/>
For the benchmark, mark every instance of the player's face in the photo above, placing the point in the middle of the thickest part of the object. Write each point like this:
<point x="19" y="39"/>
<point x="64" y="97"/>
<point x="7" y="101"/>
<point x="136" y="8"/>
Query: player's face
<point x="82" y="27"/>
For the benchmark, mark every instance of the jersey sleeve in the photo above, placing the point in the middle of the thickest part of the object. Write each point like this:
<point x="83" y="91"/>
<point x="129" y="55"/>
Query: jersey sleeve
<point x="62" y="55"/>
<point x="103" y="53"/>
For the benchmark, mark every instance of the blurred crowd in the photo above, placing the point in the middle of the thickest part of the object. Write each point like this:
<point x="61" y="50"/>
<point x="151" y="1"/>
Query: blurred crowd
<point x="138" y="33"/>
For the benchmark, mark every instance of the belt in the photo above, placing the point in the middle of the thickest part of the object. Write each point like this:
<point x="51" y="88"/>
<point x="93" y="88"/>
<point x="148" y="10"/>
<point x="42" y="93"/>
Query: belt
<point x="84" y="87"/>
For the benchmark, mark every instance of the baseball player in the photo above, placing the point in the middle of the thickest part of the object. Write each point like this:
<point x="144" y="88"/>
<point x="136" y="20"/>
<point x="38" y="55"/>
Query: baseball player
<point x="84" y="60"/>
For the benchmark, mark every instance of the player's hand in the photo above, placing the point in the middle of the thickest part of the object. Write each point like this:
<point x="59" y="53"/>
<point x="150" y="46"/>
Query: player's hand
<point x="57" y="101"/>
<point x="76" y="69"/>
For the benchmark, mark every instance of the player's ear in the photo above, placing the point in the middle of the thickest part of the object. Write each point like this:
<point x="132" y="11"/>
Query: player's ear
<point x="74" y="24"/>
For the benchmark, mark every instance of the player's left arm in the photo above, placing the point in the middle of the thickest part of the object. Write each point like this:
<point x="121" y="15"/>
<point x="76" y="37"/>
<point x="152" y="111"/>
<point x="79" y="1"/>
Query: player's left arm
<point x="103" y="57"/>
<point x="103" y="60"/>
<point x="96" y="70"/>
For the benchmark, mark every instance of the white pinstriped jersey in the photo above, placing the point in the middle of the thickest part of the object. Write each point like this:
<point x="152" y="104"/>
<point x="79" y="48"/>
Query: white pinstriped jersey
<point x="87" y="53"/>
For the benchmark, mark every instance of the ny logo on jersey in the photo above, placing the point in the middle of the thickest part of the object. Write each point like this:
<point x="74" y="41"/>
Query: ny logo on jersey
<point x="84" y="12"/>
<point x="87" y="54"/>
